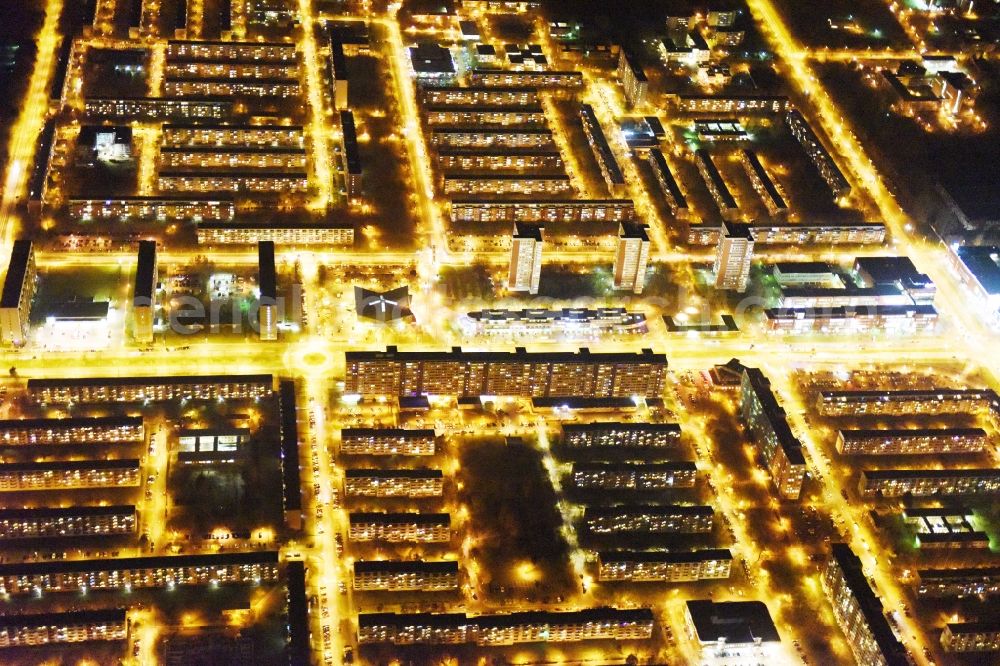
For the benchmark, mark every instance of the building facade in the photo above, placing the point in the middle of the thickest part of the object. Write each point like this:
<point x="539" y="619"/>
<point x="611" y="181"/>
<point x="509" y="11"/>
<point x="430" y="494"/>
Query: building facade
<point x="525" y="258"/>
<point x="400" y="527"/>
<point x="405" y="576"/>
<point x="395" y="482"/>
<point x="919" y="441"/>
<point x="631" y="258"/>
<point x="18" y="290"/>
<point x="75" y="430"/>
<point x="664" y="567"/>
<point x="635" y="476"/>
<point x="652" y="519"/>
<point x="387" y="442"/>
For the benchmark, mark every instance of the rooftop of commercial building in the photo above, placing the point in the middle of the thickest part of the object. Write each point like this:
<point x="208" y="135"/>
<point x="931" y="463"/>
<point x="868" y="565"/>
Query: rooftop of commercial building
<point x="734" y="622"/>
<point x="431" y="59"/>
<point x="983" y="261"/>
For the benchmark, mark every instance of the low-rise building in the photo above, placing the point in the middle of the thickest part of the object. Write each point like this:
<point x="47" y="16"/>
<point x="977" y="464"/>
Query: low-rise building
<point x="387" y="442"/>
<point x="400" y="527"/>
<point x="979" y="582"/>
<point x="420" y="482"/>
<point x="914" y="441"/>
<point x="506" y="629"/>
<point x="944" y="528"/>
<point x="652" y="519"/>
<point x="74" y="521"/>
<point x="978" y="267"/>
<point x="731" y="629"/>
<point x="432" y="63"/>
<point x="849" y="320"/>
<point x="127" y="573"/>
<point x="74" y="430"/>
<point x="971" y="636"/>
<point x="572" y="322"/>
<point x="69" y="474"/>
<point x="859" y="612"/>
<point x="635" y="476"/>
<point x="664" y="567"/>
<point x="211" y="446"/>
<point x="29" y="630"/>
<point x="929" y="482"/>
<point x="403" y="576"/>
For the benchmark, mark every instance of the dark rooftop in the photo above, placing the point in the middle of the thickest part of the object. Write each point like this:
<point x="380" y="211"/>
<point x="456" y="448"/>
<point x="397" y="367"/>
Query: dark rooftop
<point x="738" y="622"/>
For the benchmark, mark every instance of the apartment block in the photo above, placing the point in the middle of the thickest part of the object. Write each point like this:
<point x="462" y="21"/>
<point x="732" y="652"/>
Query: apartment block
<point x="232" y="157"/>
<point x="485" y="114"/>
<point x="916" y="441"/>
<point x="798" y="233"/>
<point x="144" y="293"/>
<point x="508" y="78"/>
<point x="631" y="257"/>
<point x="612" y="434"/>
<point x="511" y="138"/>
<point x="717" y="187"/>
<point x="635" y="476"/>
<point x="232" y="180"/>
<point x="767" y="423"/>
<point x="525" y="258"/>
<point x="507" y="628"/>
<point x="232" y="51"/>
<point x="158" y="108"/>
<point x="982" y="582"/>
<point x="734" y="256"/>
<point x="400" y="527"/>
<point x="351" y="154"/>
<point x="32" y="629"/>
<point x="851" y="320"/>
<point x="634" y="81"/>
<point x="506" y="184"/>
<point x="651" y="519"/>
<point x="763" y="184"/>
<point x="929" y="482"/>
<point x="191" y="209"/>
<point x="664" y="567"/>
<point x="74" y="521"/>
<point x="551" y="374"/>
<point x="387" y="442"/>
<point x="21" y="578"/>
<point x="74" y="474"/>
<point x="498" y="159"/>
<point x="153" y="389"/>
<point x="889" y="402"/>
<point x="570" y="322"/>
<point x="257" y="136"/>
<point x="451" y="96"/>
<point x="405" y="576"/>
<point x="822" y="160"/>
<point x="672" y="193"/>
<point x="735" y="104"/>
<point x="76" y="430"/>
<point x="858" y="611"/>
<point x="18" y="290"/>
<point x="396" y="482"/>
<point x="543" y="210"/>
<point x="971" y="636"/>
<point x="606" y="160"/>
<point x="292" y="234"/>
